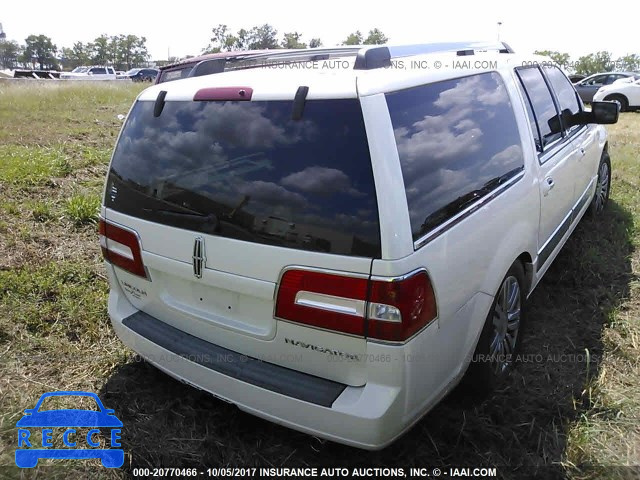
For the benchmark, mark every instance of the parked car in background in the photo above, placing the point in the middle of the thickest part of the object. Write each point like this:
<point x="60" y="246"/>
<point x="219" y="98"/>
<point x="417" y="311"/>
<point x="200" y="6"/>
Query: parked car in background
<point x="625" y="93"/>
<point x="140" y="75"/>
<point x="587" y="87"/>
<point x="90" y="73"/>
<point x="330" y="249"/>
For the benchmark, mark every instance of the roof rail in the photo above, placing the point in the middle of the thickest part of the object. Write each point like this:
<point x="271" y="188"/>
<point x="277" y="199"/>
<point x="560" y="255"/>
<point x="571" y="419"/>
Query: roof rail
<point x="275" y="57"/>
<point x="378" y="57"/>
<point x="367" y="57"/>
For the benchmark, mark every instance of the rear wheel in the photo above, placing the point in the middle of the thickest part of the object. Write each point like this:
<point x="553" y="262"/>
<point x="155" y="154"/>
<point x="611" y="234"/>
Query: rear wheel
<point x="603" y="186"/>
<point x="500" y="339"/>
<point x="622" y="102"/>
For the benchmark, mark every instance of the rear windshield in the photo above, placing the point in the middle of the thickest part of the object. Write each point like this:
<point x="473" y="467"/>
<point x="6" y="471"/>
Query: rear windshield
<point x="176" y="73"/>
<point x="245" y="170"/>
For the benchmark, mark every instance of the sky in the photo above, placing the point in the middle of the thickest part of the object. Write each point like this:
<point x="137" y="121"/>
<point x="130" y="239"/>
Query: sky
<point x="184" y="27"/>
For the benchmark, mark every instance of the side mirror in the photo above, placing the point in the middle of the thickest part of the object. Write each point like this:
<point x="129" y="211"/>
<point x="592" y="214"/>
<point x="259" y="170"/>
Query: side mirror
<point x="602" y="113"/>
<point x="605" y="113"/>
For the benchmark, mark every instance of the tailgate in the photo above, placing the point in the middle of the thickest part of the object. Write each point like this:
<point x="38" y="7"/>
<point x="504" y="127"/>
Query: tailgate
<point x="223" y="197"/>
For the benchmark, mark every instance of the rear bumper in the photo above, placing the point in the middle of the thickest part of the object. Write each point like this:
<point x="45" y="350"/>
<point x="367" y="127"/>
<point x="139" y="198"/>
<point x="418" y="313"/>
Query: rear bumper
<point x="368" y="417"/>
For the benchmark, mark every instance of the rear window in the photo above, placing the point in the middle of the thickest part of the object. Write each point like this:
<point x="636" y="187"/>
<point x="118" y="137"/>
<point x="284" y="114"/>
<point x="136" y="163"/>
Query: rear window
<point x="245" y="170"/>
<point x="175" y="73"/>
<point x="457" y="142"/>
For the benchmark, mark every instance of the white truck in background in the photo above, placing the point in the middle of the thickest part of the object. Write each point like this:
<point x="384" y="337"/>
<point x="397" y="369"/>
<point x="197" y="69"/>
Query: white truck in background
<point x="90" y="73"/>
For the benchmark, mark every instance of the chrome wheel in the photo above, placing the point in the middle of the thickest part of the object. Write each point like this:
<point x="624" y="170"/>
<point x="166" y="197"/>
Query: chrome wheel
<point x="602" y="189"/>
<point x="506" y="323"/>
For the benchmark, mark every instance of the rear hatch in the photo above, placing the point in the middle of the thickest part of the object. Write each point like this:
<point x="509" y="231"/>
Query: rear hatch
<point x="224" y="196"/>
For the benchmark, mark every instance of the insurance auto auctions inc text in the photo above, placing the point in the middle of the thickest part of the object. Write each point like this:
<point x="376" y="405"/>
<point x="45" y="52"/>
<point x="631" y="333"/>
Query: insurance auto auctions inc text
<point x="357" y="472"/>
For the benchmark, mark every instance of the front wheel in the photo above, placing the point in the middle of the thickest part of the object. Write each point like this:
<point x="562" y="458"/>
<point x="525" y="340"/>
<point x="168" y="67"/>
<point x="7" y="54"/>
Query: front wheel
<point x="603" y="187"/>
<point x="500" y="338"/>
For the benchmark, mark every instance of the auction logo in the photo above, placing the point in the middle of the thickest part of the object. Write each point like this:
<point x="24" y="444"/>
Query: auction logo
<point x="36" y="429"/>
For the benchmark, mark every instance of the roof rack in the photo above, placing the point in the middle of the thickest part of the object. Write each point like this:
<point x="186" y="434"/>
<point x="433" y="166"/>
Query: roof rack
<point x="367" y="57"/>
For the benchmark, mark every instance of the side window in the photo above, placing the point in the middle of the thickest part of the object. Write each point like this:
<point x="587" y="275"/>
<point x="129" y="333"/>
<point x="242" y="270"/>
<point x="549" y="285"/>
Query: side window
<point x="597" y="80"/>
<point x="541" y="102"/>
<point x="457" y="141"/>
<point x="111" y="71"/>
<point x="565" y="92"/>
<point x="97" y="70"/>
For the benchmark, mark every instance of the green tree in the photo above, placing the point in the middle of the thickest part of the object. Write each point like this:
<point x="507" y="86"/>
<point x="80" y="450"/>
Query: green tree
<point x="10" y="52"/>
<point x="79" y="54"/>
<point x="561" y="59"/>
<point x="131" y="51"/>
<point x="628" y="63"/>
<point x="594" y="63"/>
<point x="263" y="37"/>
<point x="376" y="37"/>
<point x="39" y="49"/>
<point x="353" y="39"/>
<point x="219" y="40"/>
<point x="101" y="51"/>
<point x="292" y="40"/>
<point x="240" y="41"/>
<point x="315" y="43"/>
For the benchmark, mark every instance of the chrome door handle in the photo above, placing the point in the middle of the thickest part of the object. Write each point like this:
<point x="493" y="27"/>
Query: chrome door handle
<point x="548" y="185"/>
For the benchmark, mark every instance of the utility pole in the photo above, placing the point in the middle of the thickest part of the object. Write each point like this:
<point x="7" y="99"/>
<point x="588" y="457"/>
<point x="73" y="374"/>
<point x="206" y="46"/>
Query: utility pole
<point x="2" y="34"/>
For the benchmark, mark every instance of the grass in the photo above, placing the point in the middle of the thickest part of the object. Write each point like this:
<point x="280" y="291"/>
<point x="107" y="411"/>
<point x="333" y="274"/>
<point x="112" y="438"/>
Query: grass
<point x="83" y="209"/>
<point x="573" y="409"/>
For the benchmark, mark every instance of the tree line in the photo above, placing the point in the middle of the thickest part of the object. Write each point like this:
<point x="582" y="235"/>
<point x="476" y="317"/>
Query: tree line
<point x="594" y="62"/>
<point x="127" y="51"/>
<point x="120" y="51"/>
<point x="265" y="36"/>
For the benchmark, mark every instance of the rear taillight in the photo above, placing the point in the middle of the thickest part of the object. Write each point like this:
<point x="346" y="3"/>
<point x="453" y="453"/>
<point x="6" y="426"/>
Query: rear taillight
<point x="391" y="309"/>
<point x="398" y="308"/>
<point x="121" y="247"/>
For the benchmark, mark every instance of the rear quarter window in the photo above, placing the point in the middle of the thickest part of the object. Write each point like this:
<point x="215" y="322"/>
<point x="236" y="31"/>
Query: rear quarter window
<point x="457" y="142"/>
<point x="246" y="170"/>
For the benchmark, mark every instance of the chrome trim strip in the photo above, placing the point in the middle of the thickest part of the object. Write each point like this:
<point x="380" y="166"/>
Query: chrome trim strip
<point x="331" y="303"/>
<point x="309" y="269"/>
<point x="422" y="241"/>
<point x="399" y="278"/>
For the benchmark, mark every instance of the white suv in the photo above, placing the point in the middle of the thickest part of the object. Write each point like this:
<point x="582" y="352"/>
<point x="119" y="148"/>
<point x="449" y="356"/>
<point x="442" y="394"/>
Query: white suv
<point x="326" y="237"/>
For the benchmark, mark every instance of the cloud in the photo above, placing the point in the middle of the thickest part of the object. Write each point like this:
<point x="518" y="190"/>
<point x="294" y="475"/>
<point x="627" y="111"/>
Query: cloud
<point x="321" y="181"/>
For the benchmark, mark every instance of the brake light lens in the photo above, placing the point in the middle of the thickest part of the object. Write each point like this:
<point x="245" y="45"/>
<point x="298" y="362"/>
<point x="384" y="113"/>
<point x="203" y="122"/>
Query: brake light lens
<point x="400" y="308"/>
<point x="334" y="302"/>
<point x="391" y="309"/>
<point x="121" y="247"/>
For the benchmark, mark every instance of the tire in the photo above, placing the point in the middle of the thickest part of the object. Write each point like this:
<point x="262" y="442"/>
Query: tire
<point x="603" y="187"/>
<point x="501" y="337"/>
<point x="621" y="100"/>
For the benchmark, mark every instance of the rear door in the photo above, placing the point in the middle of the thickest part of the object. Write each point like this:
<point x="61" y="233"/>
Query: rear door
<point x="224" y="196"/>
<point x="556" y="156"/>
